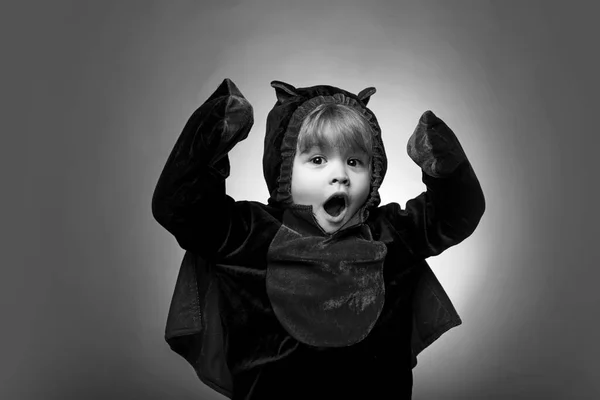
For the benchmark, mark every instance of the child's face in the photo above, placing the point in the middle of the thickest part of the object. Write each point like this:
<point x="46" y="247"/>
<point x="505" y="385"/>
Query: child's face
<point x="335" y="182"/>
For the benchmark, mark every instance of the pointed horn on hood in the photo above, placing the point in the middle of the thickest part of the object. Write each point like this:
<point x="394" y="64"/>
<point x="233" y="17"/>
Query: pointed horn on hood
<point x="283" y="91"/>
<point x="365" y="95"/>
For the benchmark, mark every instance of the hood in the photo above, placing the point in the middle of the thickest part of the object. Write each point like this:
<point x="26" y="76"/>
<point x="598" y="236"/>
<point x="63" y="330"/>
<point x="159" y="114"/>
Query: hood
<point x="283" y="126"/>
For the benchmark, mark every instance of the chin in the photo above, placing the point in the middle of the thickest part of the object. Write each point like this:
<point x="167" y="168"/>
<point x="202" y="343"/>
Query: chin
<point x="329" y="228"/>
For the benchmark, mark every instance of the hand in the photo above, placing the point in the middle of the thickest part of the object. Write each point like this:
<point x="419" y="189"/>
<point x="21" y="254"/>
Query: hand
<point x="224" y="120"/>
<point x="434" y="147"/>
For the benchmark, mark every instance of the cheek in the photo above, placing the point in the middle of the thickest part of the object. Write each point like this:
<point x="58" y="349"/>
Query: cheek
<point x="365" y="186"/>
<point x="296" y="180"/>
<point x="299" y="186"/>
<point x="294" y="190"/>
<point x="306" y="188"/>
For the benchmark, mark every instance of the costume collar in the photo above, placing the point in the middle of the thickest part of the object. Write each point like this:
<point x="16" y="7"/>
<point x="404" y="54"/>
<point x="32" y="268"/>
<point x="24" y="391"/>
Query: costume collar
<point x="301" y="219"/>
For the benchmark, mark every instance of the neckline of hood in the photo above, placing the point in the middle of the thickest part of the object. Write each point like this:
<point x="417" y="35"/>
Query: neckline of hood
<point x="305" y="213"/>
<point x="283" y="194"/>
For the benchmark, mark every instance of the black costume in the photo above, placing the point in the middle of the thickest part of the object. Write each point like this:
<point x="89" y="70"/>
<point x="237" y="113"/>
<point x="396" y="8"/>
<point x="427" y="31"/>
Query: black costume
<point x="267" y="304"/>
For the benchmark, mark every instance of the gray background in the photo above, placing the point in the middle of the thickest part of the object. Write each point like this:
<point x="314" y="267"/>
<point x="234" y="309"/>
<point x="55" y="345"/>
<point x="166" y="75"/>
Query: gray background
<point x="94" y="95"/>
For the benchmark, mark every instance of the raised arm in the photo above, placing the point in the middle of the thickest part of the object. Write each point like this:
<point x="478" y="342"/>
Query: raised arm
<point x="452" y="206"/>
<point x="189" y="200"/>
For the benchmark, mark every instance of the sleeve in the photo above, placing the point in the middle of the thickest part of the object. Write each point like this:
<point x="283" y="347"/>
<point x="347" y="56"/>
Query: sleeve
<point x="453" y="204"/>
<point x="189" y="200"/>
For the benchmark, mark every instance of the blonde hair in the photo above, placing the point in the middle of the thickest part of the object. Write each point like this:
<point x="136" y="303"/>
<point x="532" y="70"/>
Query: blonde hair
<point x="335" y="126"/>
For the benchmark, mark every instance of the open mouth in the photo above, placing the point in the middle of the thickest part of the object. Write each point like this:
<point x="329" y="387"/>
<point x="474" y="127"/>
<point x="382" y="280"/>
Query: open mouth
<point x="335" y="205"/>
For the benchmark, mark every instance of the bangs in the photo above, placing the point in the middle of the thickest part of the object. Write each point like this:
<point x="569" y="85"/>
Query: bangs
<point x="336" y="126"/>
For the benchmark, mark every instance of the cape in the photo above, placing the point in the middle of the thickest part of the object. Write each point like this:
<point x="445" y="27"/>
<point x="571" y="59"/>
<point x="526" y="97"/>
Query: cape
<point x="194" y="329"/>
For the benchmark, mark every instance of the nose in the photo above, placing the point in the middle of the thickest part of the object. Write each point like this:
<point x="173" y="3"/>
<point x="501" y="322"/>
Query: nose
<point x="339" y="175"/>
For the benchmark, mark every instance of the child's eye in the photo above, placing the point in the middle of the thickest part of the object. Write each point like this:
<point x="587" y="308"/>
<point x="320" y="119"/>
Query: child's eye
<point x="354" y="162"/>
<point x="317" y="160"/>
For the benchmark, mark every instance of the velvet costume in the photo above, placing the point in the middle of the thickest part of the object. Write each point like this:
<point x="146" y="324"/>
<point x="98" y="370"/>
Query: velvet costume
<point x="267" y="304"/>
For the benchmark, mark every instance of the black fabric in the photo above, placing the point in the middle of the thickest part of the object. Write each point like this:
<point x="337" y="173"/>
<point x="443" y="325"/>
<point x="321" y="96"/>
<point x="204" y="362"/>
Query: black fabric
<point x="434" y="147"/>
<point x="240" y="335"/>
<point x="194" y="329"/>
<point x="326" y="290"/>
<point x="334" y="373"/>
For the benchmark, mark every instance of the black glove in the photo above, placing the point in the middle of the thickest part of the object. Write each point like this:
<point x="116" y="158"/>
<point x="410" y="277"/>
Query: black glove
<point x="224" y="120"/>
<point x="434" y="147"/>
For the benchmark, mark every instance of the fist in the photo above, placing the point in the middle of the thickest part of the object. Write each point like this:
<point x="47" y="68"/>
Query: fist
<point x="434" y="147"/>
<point x="227" y="118"/>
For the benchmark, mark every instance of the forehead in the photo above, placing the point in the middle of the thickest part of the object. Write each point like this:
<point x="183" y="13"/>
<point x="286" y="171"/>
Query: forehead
<point x="329" y="149"/>
<point x="342" y="134"/>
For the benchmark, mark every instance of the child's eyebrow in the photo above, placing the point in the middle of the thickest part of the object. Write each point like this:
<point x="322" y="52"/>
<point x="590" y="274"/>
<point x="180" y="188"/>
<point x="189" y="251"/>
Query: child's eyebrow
<point x="324" y="149"/>
<point x="311" y="149"/>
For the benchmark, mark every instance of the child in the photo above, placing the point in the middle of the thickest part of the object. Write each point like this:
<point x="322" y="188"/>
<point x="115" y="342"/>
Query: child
<point x="321" y="292"/>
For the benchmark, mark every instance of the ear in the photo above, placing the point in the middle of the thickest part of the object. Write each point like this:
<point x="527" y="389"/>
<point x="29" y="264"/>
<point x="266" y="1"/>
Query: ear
<point x="284" y="91"/>
<point x="365" y="95"/>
